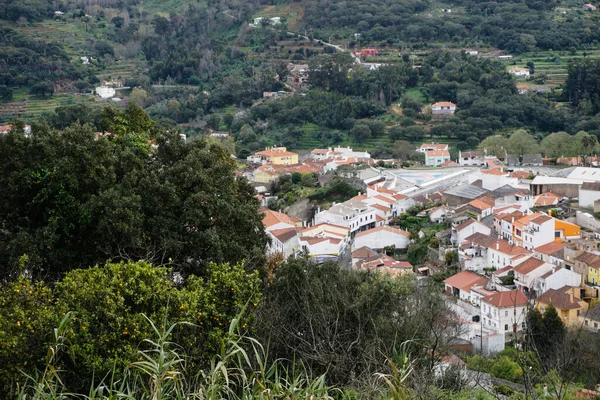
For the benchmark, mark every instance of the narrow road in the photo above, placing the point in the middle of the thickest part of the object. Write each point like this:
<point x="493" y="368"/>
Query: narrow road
<point x="335" y="46"/>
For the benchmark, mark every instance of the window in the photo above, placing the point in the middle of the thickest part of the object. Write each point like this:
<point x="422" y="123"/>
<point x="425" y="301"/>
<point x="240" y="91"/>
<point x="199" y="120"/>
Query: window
<point x="506" y="313"/>
<point x="505" y="327"/>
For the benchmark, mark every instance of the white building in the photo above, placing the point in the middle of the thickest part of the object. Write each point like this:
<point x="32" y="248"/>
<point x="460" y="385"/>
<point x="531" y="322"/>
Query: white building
<point x="324" y="240"/>
<point x="467" y="228"/>
<point x="530" y="270"/>
<point x="470" y="159"/>
<point x="503" y="253"/>
<point x="538" y="232"/>
<point x="556" y="279"/>
<point x="431" y="147"/>
<point x="504" y="312"/>
<point x="284" y="241"/>
<point x="443" y="108"/>
<point x="435" y="158"/>
<point x="381" y="237"/>
<point x="589" y="192"/>
<point x="398" y="202"/>
<point x="517" y="71"/>
<point x="352" y="214"/>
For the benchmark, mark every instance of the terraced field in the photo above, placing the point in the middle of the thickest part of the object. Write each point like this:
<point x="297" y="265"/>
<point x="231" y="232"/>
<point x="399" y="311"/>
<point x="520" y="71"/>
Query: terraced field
<point x="552" y="64"/>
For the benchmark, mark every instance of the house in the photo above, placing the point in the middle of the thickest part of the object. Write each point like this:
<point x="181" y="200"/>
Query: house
<point x="492" y="162"/>
<point x="438" y="214"/>
<point x="591" y="318"/>
<point x="324" y="242"/>
<point x="353" y="214"/>
<point x="381" y="237"/>
<point x="517" y="71"/>
<point x="468" y="228"/>
<point x="504" y="312"/>
<point x="58" y="13"/>
<point x="275" y="20"/>
<point x="546" y="199"/>
<point x="526" y="159"/>
<point x="277" y="220"/>
<point x="435" y="158"/>
<point x="7" y="128"/>
<point x="555" y="279"/>
<point x="459" y="195"/>
<point x="450" y="164"/>
<point x="567" y="303"/>
<point x="368" y="52"/>
<point x="398" y="203"/>
<point x="503" y="253"/>
<point x="509" y="195"/>
<point x="284" y="241"/>
<point x="505" y="57"/>
<point x="552" y="253"/>
<point x="258" y="20"/>
<point x="277" y="156"/>
<point x="502" y="276"/>
<point x="460" y="285"/>
<point x="589" y="192"/>
<point x="481" y="207"/>
<point x="473" y="251"/>
<point x="385" y="264"/>
<point x="443" y="108"/>
<point x="265" y="173"/>
<point x="528" y="271"/>
<point x="362" y="254"/>
<point x="432" y="146"/>
<point x="533" y="230"/>
<point x="586" y="262"/>
<point x="504" y="223"/>
<point x="589" y="7"/>
<point x="470" y="159"/>
<point x="564" y="230"/>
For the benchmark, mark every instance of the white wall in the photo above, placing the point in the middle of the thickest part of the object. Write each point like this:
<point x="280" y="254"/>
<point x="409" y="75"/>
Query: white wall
<point x="587" y="198"/>
<point x="380" y="239"/>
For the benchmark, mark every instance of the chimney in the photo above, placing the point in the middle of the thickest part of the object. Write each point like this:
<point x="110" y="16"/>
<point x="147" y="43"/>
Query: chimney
<point x="513" y="220"/>
<point x="497" y="245"/>
<point x="571" y="295"/>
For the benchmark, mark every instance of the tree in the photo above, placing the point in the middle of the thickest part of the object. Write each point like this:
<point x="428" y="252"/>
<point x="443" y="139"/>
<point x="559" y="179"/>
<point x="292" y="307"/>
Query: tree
<point x="41" y="89"/>
<point x="558" y="144"/>
<point x="111" y="305"/>
<point x="104" y="49"/>
<point x="214" y="122"/>
<point x="118" y="198"/>
<point x="360" y="132"/>
<point x="81" y="86"/>
<point x="6" y="93"/>
<point x="336" y="320"/>
<point x="521" y="143"/>
<point x="118" y="22"/>
<point x="494" y="146"/>
<point x="139" y="96"/>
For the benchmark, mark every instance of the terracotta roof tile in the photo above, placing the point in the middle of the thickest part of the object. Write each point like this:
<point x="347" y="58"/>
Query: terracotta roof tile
<point x="506" y="299"/>
<point x="528" y="265"/>
<point x="464" y="280"/>
<point x="559" y="299"/>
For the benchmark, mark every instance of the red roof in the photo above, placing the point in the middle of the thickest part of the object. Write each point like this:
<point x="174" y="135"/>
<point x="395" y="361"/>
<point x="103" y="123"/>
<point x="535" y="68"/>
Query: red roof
<point x="464" y="280"/>
<point x="437" y="153"/>
<point x="529" y="265"/>
<point x="444" y="104"/>
<point x="550" y="248"/>
<point x="506" y="299"/>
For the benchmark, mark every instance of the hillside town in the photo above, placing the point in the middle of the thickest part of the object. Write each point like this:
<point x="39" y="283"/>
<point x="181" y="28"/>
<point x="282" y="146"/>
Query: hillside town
<point x="506" y="235"/>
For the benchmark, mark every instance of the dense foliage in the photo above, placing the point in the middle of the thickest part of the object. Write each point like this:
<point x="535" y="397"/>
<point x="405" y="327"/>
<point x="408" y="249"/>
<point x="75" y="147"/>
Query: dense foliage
<point x="514" y="26"/>
<point x="72" y="201"/>
<point x="110" y="306"/>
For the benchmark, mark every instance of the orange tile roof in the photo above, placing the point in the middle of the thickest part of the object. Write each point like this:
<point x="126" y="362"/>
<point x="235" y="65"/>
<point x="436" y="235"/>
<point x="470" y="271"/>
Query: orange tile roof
<point x="546" y="199"/>
<point x="528" y="265"/>
<point x="444" y="104"/>
<point x="480" y="204"/>
<point x="506" y="299"/>
<point x="464" y="280"/>
<point x="504" y="247"/>
<point x="384" y="199"/>
<point x="284" y="234"/>
<point x="509" y="217"/>
<point x="519" y="174"/>
<point x="383" y="228"/>
<point x="381" y="189"/>
<point x="494" y="172"/>
<point x="550" y="248"/>
<point x="465" y="224"/>
<point x="437" y="153"/>
<point x="275" y="153"/>
<point x="541" y="219"/>
<point x="273" y="218"/>
<point x="364" y="252"/>
<point x="526" y="219"/>
<point x="359" y="197"/>
<point x="380" y="207"/>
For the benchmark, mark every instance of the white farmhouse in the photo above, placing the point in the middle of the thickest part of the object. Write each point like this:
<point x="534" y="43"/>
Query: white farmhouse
<point x="443" y="108"/>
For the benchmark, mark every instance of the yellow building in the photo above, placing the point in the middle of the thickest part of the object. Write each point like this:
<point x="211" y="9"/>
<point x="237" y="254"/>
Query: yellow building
<point x="278" y="156"/>
<point x="593" y="273"/>
<point x="567" y="301"/>
<point x="566" y="230"/>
